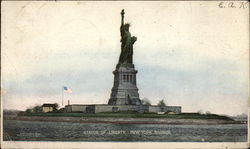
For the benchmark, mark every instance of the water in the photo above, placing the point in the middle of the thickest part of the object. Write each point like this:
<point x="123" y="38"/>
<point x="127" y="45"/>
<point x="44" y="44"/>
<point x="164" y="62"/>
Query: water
<point x="63" y="131"/>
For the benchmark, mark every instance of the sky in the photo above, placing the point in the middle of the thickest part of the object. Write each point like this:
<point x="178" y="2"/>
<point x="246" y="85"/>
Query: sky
<point x="191" y="54"/>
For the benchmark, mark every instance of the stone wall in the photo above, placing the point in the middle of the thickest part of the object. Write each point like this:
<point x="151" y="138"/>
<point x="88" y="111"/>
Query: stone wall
<point x="75" y="108"/>
<point x="176" y="109"/>
<point x="103" y="108"/>
<point x="68" y="108"/>
<point x="155" y="109"/>
<point x="116" y="108"/>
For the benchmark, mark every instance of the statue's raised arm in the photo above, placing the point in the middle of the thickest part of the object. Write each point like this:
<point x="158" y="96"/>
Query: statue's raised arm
<point x="122" y="14"/>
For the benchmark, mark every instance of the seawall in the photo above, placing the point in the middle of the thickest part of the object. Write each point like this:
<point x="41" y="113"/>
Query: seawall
<point x="123" y="120"/>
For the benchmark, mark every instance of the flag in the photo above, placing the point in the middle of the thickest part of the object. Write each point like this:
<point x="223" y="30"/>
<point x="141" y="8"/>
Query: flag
<point x="67" y="89"/>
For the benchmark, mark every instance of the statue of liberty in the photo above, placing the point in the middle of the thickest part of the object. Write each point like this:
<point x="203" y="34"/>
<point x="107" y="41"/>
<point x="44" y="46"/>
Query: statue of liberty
<point x="124" y="90"/>
<point x="126" y="56"/>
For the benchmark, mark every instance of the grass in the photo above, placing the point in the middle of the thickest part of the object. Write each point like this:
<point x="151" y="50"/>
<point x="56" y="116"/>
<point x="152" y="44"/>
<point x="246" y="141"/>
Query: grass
<point x="135" y="115"/>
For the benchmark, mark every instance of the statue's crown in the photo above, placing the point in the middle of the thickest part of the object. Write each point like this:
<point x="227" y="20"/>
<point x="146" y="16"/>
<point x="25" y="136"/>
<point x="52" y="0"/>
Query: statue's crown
<point x="127" y="24"/>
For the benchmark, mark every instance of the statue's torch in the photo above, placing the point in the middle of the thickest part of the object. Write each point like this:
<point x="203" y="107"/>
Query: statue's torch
<point x="122" y="14"/>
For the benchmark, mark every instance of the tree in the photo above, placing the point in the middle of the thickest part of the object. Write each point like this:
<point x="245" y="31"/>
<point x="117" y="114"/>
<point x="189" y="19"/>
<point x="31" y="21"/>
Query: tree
<point x="56" y="106"/>
<point x="34" y="109"/>
<point x="208" y="112"/>
<point x="28" y="111"/>
<point x="145" y="101"/>
<point x="200" y="111"/>
<point x="161" y="103"/>
<point x="37" y="109"/>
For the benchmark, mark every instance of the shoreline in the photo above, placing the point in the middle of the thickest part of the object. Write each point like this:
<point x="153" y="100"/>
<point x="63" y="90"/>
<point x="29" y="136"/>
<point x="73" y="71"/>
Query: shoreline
<point x="113" y="120"/>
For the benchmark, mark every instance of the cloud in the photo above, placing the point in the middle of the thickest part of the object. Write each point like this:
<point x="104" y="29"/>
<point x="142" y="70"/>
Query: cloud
<point x="202" y="86"/>
<point x="215" y="83"/>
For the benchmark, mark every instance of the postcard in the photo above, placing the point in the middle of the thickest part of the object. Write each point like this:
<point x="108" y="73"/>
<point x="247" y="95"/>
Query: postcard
<point x="124" y="74"/>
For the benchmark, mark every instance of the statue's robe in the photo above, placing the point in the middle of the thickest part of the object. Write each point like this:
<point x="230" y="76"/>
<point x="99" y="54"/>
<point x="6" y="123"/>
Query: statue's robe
<point x="126" y="55"/>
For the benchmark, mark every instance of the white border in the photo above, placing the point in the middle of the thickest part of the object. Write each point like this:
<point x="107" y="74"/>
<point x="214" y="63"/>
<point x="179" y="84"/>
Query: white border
<point x="114" y="145"/>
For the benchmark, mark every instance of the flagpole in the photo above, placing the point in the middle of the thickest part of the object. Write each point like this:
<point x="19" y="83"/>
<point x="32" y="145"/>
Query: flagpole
<point x="62" y="96"/>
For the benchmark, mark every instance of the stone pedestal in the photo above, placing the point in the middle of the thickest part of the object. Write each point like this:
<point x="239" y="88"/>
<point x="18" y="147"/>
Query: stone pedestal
<point x="124" y="91"/>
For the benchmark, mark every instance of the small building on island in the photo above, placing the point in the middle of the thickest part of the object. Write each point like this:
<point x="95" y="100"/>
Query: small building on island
<point x="48" y="107"/>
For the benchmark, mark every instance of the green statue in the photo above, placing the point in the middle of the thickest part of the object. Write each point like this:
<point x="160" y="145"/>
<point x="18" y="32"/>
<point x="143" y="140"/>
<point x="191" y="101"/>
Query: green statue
<point x="126" y="56"/>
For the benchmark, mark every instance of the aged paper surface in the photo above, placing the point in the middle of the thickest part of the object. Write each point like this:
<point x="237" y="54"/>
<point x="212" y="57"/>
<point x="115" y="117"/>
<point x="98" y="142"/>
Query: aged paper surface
<point x="192" y="59"/>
